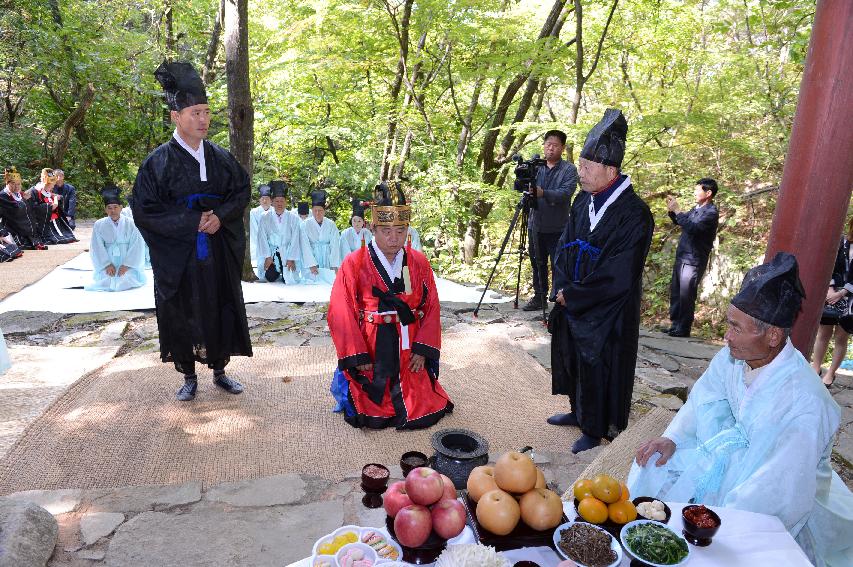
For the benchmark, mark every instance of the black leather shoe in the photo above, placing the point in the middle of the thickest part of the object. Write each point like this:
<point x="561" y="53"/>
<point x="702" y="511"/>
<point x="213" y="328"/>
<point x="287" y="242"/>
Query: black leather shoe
<point x="187" y="391"/>
<point x="229" y="385"/>
<point x="564" y="419"/>
<point x="677" y="333"/>
<point x="535" y="304"/>
<point x="585" y="443"/>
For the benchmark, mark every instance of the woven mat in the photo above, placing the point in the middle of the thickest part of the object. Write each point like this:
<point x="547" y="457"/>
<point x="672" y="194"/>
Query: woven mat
<point x="616" y="458"/>
<point x="122" y="426"/>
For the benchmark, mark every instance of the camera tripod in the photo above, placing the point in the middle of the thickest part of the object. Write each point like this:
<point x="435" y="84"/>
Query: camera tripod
<point x="522" y="210"/>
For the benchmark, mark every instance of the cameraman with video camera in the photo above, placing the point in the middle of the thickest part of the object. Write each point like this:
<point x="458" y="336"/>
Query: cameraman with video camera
<point x="556" y="182"/>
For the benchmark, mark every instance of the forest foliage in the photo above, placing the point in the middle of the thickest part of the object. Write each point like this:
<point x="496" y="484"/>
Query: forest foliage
<point x="439" y="92"/>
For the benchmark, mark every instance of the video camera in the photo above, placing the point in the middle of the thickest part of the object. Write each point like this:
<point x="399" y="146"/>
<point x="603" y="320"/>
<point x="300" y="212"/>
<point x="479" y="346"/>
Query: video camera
<point x="526" y="173"/>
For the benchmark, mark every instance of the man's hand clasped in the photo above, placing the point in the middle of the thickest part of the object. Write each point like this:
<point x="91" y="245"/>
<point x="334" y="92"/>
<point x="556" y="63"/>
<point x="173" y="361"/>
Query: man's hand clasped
<point x="416" y="364"/>
<point x="209" y="223"/>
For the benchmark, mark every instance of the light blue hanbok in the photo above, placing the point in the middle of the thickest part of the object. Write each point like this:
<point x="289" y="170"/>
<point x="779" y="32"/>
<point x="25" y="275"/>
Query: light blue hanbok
<point x="117" y="244"/>
<point x="763" y="447"/>
<point x="5" y="361"/>
<point x="352" y="240"/>
<point x="254" y="220"/>
<point x="282" y="234"/>
<point x="128" y="212"/>
<point x="325" y="245"/>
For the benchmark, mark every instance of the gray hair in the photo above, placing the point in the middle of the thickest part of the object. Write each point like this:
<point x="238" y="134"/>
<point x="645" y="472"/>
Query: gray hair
<point x="57" y="171"/>
<point x="764" y="327"/>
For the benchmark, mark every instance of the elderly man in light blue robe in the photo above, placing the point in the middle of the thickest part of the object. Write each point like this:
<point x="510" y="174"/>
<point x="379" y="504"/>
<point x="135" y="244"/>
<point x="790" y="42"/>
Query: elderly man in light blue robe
<point x="117" y="249"/>
<point x="264" y="207"/>
<point x="757" y="430"/>
<point x="324" y="237"/>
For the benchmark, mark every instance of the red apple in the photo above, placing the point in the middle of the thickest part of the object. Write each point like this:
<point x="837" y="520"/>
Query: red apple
<point x="449" y="490"/>
<point x="412" y="525"/>
<point x="424" y="486"/>
<point x="396" y="498"/>
<point x="448" y="518"/>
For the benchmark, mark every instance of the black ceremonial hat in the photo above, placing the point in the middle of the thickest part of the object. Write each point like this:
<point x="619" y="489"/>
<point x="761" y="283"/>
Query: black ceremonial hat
<point x="278" y="189"/>
<point x="357" y="208"/>
<point x="264" y="190"/>
<point x="302" y="208"/>
<point x="111" y="195"/>
<point x="181" y="84"/>
<point x="318" y="198"/>
<point x="772" y="292"/>
<point x="389" y="205"/>
<point x="605" y="143"/>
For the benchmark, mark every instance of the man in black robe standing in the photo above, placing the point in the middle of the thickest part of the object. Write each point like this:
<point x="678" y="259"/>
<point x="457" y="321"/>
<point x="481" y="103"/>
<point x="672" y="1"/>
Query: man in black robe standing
<point x="188" y="203"/>
<point x="597" y="286"/>
<point x="698" y="231"/>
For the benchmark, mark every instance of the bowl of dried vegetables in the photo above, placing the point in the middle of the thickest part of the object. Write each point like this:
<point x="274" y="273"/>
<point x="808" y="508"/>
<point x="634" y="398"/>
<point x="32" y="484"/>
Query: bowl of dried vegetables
<point x="654" y="544"/>
<point x="587" y="545"/>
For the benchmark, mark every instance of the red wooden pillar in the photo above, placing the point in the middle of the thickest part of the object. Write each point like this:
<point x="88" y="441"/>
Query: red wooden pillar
<point x="818" y="175"/>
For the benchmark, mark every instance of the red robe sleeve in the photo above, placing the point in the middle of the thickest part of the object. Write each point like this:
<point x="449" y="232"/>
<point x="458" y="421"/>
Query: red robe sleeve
<point x="427" y="343"/>
<point x="343" y="315"/>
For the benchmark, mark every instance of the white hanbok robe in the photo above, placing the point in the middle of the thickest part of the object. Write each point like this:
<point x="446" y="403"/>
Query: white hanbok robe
<point x="760" y="440"/>
<point x="255" y="218"/>
<point x="126" y="211"/>
<point x="415" y="238"/>
<point x="5" y="361"/>
<point x="326" y="246"/>
<point x="117" y="244"/>
<point x="352" y="240"/>
<point x="282" y="234"/>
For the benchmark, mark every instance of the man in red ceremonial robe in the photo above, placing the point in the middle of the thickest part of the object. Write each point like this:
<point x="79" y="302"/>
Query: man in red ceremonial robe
<point x="384" y="318"/>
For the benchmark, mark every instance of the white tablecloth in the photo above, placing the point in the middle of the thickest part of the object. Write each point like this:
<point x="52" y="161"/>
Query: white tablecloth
<point x="745" y="539"/>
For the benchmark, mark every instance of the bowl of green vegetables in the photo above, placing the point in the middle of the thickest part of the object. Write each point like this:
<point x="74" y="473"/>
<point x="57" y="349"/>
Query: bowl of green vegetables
<point x="654" y="544"/>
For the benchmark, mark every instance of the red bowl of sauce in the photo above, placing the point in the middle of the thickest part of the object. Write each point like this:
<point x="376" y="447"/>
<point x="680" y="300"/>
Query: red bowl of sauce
<point x="700" y="524"/>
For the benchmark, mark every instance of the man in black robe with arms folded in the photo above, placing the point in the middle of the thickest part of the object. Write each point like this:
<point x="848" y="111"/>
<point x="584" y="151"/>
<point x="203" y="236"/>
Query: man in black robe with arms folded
<point x="597" y="286"/>
<point x="188" y="203"/>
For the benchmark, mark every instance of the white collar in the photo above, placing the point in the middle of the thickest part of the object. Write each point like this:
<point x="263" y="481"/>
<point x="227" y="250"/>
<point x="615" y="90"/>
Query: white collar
<point x="751" y="376"/>
<point x="595" y="217"/>
<point x="17" y="196"/>
<point x="394" y="271"/>
<point x="197" y="154"/>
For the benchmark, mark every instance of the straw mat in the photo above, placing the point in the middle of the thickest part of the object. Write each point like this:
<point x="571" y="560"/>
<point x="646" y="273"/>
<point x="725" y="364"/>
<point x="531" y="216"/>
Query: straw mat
<point x="121" y="425"/>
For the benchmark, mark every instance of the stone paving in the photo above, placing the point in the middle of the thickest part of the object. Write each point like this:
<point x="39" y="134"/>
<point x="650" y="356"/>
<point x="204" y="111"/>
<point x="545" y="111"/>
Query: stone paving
<point x="242" y="523"/>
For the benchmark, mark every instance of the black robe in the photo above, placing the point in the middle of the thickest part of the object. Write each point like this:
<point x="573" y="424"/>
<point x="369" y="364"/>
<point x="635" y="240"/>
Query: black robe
<point x="24" y="219"/>
<point x="200" y="311"/>
<point x="594" y="343"/>
<point x="8" y="250"/>
<point x="55" y="229"/>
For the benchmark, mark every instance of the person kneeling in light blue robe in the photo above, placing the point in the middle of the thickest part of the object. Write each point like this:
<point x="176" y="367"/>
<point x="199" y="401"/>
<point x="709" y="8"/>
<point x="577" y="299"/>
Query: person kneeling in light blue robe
<point x="128" y="212"/>
<point x="757" y="430"/>
<point x="283" y="250"/>
<point x="264" y="207"/>
<point x="357" y="235"/>
<point x="325" y="243"/>
<point x="117" y="249"/>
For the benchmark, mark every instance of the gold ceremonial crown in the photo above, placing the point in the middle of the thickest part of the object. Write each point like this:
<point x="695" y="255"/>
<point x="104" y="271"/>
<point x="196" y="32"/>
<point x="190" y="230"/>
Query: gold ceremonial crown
<point x="389" y="206"/>
<point x="11" y="175"/>
<point x="47" y="175"/>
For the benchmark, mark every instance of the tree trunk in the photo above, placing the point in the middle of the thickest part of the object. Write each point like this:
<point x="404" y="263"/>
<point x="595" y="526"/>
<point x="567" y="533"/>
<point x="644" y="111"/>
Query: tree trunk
<point x="241" y="115"/>
<point x="208" y="72"/>
<point x="402" y="30"/>
<point x="74" y="119"/>
<point x="481" y="208"/>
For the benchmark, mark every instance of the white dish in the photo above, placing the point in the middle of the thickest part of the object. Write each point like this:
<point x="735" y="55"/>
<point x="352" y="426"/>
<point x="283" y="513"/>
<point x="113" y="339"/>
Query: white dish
<point x="359" y="532"/>
<point x="635" y="556"/>
<point x="614" y="545"/>
<point x="367" y="552"/>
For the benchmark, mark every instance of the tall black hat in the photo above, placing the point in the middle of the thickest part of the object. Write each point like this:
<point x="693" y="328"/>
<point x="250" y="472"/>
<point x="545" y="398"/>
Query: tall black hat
<point x="278" y="189"/>
<point x="605" y="143"/>
<point x="111" y="195"/>
<point x="181" y="84"/>
<point x="318" y="198"/>
<point x="389" y="205"/>
<point x="772" y="292"/>
<point x="264" y="190"/>
<point x="357" y="208"/>
<point x="302" y="208"/>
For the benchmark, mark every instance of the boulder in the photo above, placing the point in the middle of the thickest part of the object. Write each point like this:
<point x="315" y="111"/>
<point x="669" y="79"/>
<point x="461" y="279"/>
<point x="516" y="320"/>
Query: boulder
<point x="28" y="534"/>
